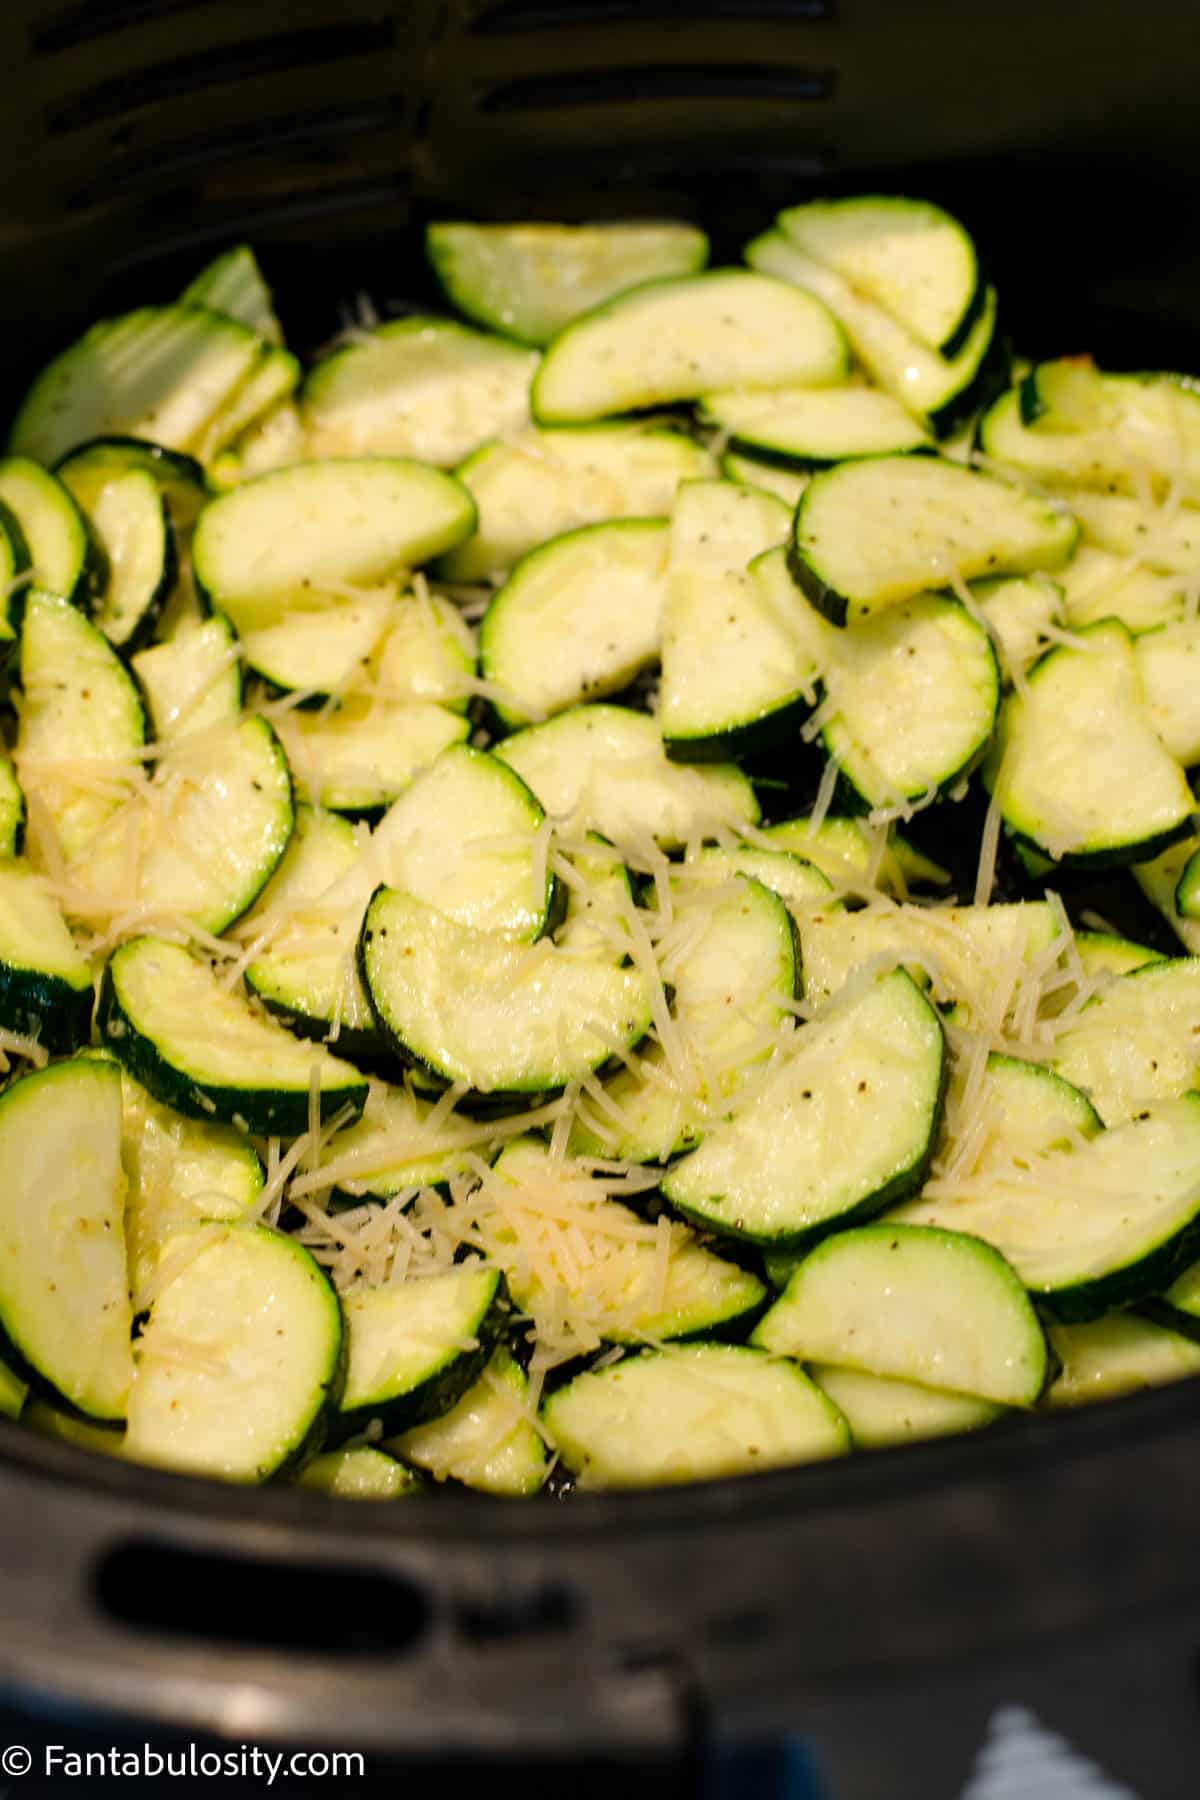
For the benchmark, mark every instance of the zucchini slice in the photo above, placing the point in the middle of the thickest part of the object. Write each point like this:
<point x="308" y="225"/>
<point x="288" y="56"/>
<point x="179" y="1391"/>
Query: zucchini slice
<point x="273" y="380"/>
<point x="63" y="554"/>
<point x="737" y="673"/>
<point x="1077" y="770"/>
<point x="12" y="810"/>
<point x="685" y="336"/>
<point x="359" y="1473"/>
<point x="874" y="532"/>
<point x="867" y="1075"/>
<point x="798" y="882"/>
<point x="360" y="756"/>
<point x="1136" y="1042"/>
<point x="731" y="957"/>
<point x="530" y="281"/>
<point x="193" y="683"/>
<point x="416" y="1347"/>
<point x="888" y="741"/>
<point x="65" y="1320"/>
<point x="907" y="256"/>
<point x="1099" y="586"/>
<point x="1168" y="665"/>
<point x="603" y="768"/>
<point x="45" y="982"/>
<point x="858" y="856"/>
<point x="419" y="387"/>
<point x="1164" y="538"/>
<point x="82" y="727"/>
<point x="811" y="427"/>
<point x="159" y="373"/>
<point x="1105" y="1225"/>
<point x="642" y="1292"/>
<point x="240" y="1361"/>
<point x="691" y="1415"/>
<point x="486" y="1441"/>
<point x="1018" y="610"/>
<point x="577" y="618"/>
<point x="942" y="391"/>
<point x="500" y="1017"/>
<point x="882" y="1411"/>
<point x="200" y="841"/>
<point x="1119" y="1354"/>
<point x="427" y="653"/>
<point x="128" y="515"/>
<point x="392" y="1148"/>
<point x="937" y="1308"/>
<point x="1128" y="430"/>
<point x="233" y="284"/>
<point x="1163" y="882"/>
<point x="201" y="1049"/>
<point x="786" y="483"/>
<point x="317" y="525"/>
<point x="539" y="485"/>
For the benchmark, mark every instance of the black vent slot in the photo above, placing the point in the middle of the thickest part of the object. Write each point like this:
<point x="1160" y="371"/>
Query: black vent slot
<point x="256" y="59"/>
<point x="543" y="15"/>
<point x="679" y="81"/>
<point x="90" y="19"/>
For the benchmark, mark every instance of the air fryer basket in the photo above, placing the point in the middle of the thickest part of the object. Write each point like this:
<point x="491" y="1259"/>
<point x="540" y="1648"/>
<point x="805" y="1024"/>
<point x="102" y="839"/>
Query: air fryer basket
<point x="880" y="1611"/>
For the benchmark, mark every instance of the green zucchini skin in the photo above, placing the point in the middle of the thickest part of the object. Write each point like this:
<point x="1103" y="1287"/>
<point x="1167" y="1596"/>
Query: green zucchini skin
<point x="1137" y="1285"/>
<point x="43" y="1006"/>
<point x="775" y="728"/>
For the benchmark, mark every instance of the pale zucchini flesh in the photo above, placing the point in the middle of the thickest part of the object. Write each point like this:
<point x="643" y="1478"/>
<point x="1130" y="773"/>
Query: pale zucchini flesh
<point x="361" y="755"/>
<point x="1118" y="1354"/>
<point x="810" y="427"/>
<point x="45" y="981"/>
<point x="882" y="1411"/>
<point x="486" y="1441"/>
<point x="416" y="1347"/>
<point x="1136" y="1042"/>
<point x="359" y="1473"/>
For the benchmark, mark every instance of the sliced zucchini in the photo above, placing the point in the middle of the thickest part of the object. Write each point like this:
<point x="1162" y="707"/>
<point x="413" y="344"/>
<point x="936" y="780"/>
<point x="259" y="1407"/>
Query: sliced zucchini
<point x="1179" y="1307"/>
<point x="529" y="281"/>
<point x="319" y="525"/>
<point x="1016" y="1111"/>
<point x="14" y="576"/>
<point x="691" y="1415"/>
<point x="787" y="484"/>
<point x="868" y="1076"/>
<point x="65" y="1321"/>
<point x="737" y="673"/>
<point x="360" y="756"/>
<point x="1137" y="1041"/>
<point x="799" y="883"/>
<point x="1098" y="586"/>
<point x="82" y="727"/>
<point x="129" y="517"/>
<point x="200" y="841"/>
<point x="730" y="956"/>
<point x="1127" y="431"/>
<point x="888" y="741"/>
<point x="874" y="532"/>
<point x="417" y="387"/>
<point x="192" y="684"/>
<point x="487" y="1440"/>
<point x="500" y="1017"/>
<point x="882" y="1411"/>
<point x="392" y="1148"/>
<point x="811" y="427"/>
<point x="937" y="1308"/>
<point x="1164" y="538"/>
<point x="45" y="981"/>
<point x="416" y="1347"/>
<point x="48" y="1421"/>
<point x="1100" y="953"/>
<point x="1104" y="1225"/>
<point x="315" y="649"/>
<point x="12" y="810"/>
<point x="541" y="484"/>
<point x="233" y="284"/>
<point x="272" y="442"/>
<point x="1168" y="664"/>
<point x="428" y="652"/>
<point x="578" y="618"/>
<point x="942" y="390"/>
<point x="1120" y="1354"/>
<point x="201" y="1049"/>
<point x="971" y="955"/>
<point x="907" y="256"/>
<point x="1018" y="610"/>
<point x="272" y="381"/>
<point x="63" y="554"/>
<point x="858" y="856"/>
<point x="1162" y="881"/>
<point x="359" y="1473"/>
<point x="1077" y="770"/>
<point x="685" y="336"/>
<point x="159" y="373"/>
<point x="240" y="1361"/>
<point x="603" y="767"/>
<point x="657" y="1285"/>
<point x="181" y="479"/>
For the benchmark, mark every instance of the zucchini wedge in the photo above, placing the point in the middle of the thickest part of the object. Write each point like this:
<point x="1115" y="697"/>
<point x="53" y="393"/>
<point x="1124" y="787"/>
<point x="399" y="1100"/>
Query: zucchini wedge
<point x="250" y="1393"/>
<point x="874" y="532"/>
<point x="1121" y="1353"/>
<point x="868" y="1075"/>
<point x="691" y="1415"/>
<point x="361" y="756"/>
<point x="683" y="337"/>
<point x="193" y="683"/>
<point x="1168" y="665"/>
<point x="234" y="284"/>
<point x="127" y="513"/>
<point x="63" y="554"/>
<point x="200" y="1048"/>
<point x="530" y="281"/>
<point x="937" y="1308"/>
<point x="785" y="482"/>
<point x="45" y="981"/>
<point x="358" y="1473"/>
<point x="1127" y="431"/>
<point x="487" y="1440"/>
<point x="1136" y="1041"/>
<point x="65" y="1321"/>
<point x="882" y="1411"/>
<point x="812" y="427"/>
<point x="416" y="1347"/>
